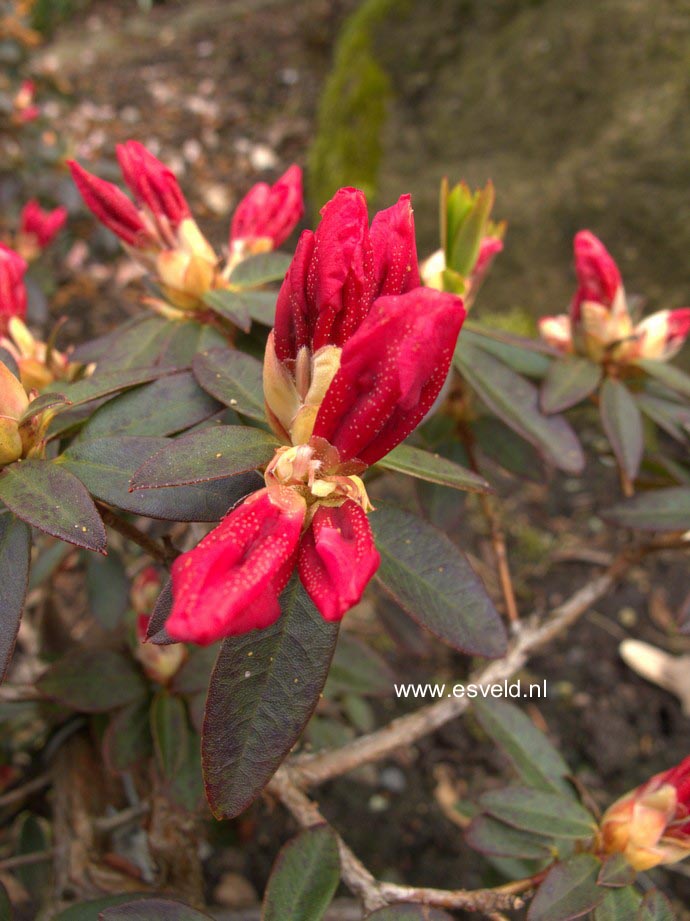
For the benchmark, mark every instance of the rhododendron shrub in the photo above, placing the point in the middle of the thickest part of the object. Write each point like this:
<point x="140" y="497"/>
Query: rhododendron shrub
<point x="269" y="455"/>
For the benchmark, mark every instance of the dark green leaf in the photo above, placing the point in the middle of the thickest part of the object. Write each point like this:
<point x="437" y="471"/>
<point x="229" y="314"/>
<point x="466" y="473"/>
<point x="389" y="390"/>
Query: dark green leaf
<point x="89" y="911"/>
<point x="169" y="728"/>
<point x="6" y="912"/>
<point x="567" y="382"/>
<point x="304" y="877"/>
<point x="618" y="905"/>
<point x="152" y="910"/>
<point x="107" y="587"/>
<point x="107" y="465"/>
<point x="15" y="557"/>
<point x="263" y="690"/>
<point x="49" y="559"/>
<point x="661" y="510"/>
<point x="164" y="407"/>
<point x="507" y="449"/>
<point x="106" y="383"/>
<point x="539" y="812"/>
<point x="258" y="270"/>
<point x="655" y="907"/>
<point x="672" y="417"/>
<point x="195" y="674"/>
<point x="356" y="668"/>
<point x="208" y="454"/>
<point x="228" y="304"/>
<point x="41" y="404"/>
<point x="155" y="631"/>
<point x="521" y="354"/>
<point x="127" y="740"/>
<point x="233" y="378"/>
<point x="53" y="500"/>
<point x="535" y="759"/>
<point x="668" y="375"/>
<point x="93" y="681"/>
<point x="260" y="305"/>
<point x="489" y="836"/>
<point x="431" y="579"/>
<point x="515" y="400"/>
<point x="569" y="891"/>
<point x="433" y="468"/>
<point x="623" y="426"/>
<point x="35" y="878"/>
<point x="616" y="872"/>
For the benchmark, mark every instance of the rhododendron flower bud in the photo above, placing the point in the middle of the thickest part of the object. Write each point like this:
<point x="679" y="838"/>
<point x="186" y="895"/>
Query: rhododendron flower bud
<point x="337" y="558"/>
<point x="661" y="335"/>
<point x="267" y="215"/>
<point x="112" y="208"/>
<point x="12" y="289"/>
<point x="152" y="183"/>
<point x="38" y="227"/>
<point x="161" y="663"/>
<point x="39" y="366"/>
<point x="13" y="402"/>
<point x="230" y="582"/>
<point x="340" y="269"/>
<point x="391" y="371"/>
<point x="651" y="824"/>
<point x="597" y="274"/>
<point x="557" y="332"/>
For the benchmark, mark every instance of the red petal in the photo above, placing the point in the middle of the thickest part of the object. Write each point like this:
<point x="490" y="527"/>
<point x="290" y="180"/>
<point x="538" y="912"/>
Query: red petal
<point x="395" y="249"/>
<point x="597" y="274"/>
<point x="391" y="371"/>
<point x="110" y="205"/>
<point x="337" y="558"/>
<point x="153" y="184"/>
<point x="12" y="289"/>
<point x="230" y="582"/>
<point x="293" y="322"/>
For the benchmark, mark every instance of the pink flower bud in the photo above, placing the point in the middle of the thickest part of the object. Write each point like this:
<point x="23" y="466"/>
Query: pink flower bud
<point x="269" y="213"/>
<point x="340" y="269"/>
<point x="557" y="332"/>
<point x="598" y="277"/>
<point x="391" y="371"/>
<point x="40" y="224"/>
<point x="152" y="183"/>
<point x="651" y="824"/>
<point x="230" y="582"/>
<point x="337" y="558"/>
<point x="112" y="207"/>
<point x="661" y="335"/>
<point x="12" y="289"/>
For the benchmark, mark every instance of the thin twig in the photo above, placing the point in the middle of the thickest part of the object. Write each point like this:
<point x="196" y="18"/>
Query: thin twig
<point x="17" y="794"/>
<point x="376" y="894"/>
<point x="108" y="823"/>
<point x="131" y="532"/>
<point x="26" y="860"/>
<point x="18" y="693"/>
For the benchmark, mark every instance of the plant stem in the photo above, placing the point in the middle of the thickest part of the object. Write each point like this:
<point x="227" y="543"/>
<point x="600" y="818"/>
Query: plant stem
<point x="131" y="532"/>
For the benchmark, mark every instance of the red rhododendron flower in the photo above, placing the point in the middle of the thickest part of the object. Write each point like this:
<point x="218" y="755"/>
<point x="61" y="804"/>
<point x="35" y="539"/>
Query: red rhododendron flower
<point x="12" y="289"/>
<point x="42" y="225"/>
<point x="600" y="325"/>
<point x="267" y="214"/>
<point x="352" y="367"/>
<point x="651" y="824"/>
<point x="153" y="184"/>
<point x="111" y="206"/>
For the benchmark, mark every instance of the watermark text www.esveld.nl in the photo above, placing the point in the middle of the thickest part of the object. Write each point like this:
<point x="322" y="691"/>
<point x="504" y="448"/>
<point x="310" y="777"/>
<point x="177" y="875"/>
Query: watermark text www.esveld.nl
<point x="513" y="689"/>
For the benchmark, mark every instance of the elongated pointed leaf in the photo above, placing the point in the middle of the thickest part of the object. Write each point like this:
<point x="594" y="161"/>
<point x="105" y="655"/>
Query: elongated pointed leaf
<point x="569" y="891"/>
<point x="263" y="690"/>
<point x="93" y="681"/>
<point x="107" y="587"/>
<point x="152" y="910"/>
<point x="15" y="557"/>
<point x="168" y="728"/>
<point x="127" y="740"/>
<point x="523" y="355"/>
<point x="156" y="632"/>
<point x="623" y="426"/>
<point x="88" y="911"/>
<point x="661" y="510"/>
<point x="53" y="500"/>
<point x="208" y="454"/>
<point x="539" y="812"/>
<point x="304" y="877"/>
<point x="163" y="407"/>
<point x="431" y="579"/>
<point x="567" y="382"/>
<point x="616" y="872"/>
<point x="259" y="270"/>
<point x="668" y="375"/>
<point x="41" y="404"/>
<point x="233" y="378"/>
<point x="106" y="383"/>
<point x="672" y="417"/>
<point x="618" y="905"/>
<point x="535" y="759"/>
<point x="106" y="466"/>
<point x="508" y="449"/>
<point x="515" y="400"/>
<point x="227" y="304"/>
<point x="434" y="468"/>
<point x="489" y="836"/>
<point x="655" y="907"/>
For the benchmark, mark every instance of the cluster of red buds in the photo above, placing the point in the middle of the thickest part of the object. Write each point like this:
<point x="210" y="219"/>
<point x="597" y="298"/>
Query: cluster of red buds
<point x="651" y="824"/>
<point x="38" y="227"/>
<point x="357" y="357"/>
<point x="600" y="324"/>
<point x="158" y="229"/>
